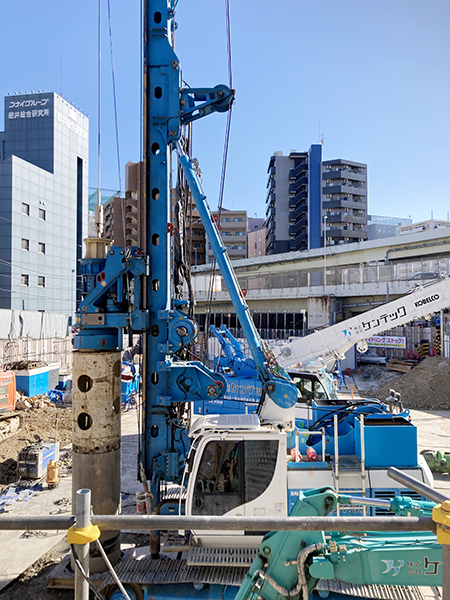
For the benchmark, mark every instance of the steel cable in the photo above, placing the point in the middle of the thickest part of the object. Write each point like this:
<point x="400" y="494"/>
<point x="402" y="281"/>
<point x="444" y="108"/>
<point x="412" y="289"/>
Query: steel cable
<point x="223" y="173"/>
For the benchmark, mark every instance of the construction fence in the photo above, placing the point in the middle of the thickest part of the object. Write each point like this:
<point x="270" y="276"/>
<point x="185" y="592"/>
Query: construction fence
<point x="35" y="336"/>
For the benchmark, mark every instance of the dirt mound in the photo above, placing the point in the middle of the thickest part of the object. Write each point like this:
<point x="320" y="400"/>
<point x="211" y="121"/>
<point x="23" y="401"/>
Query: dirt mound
<point x="426" y="386"/>
<point x="40" y="424"/>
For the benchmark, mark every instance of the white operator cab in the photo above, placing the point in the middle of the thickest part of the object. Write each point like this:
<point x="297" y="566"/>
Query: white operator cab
<point x="237" y="468"/>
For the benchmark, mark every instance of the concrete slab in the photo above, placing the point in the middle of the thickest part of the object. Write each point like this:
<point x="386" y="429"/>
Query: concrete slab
<point x="433" y="433"/>
<point x="19" y="549"/>
<point x="30" y="547"/>
<point x="130" y="446"/>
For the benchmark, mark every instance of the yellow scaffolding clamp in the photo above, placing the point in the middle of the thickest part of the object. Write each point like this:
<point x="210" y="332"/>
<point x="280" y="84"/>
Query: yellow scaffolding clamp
<point x="441" y="516"/>
<point x="84" y="535"/>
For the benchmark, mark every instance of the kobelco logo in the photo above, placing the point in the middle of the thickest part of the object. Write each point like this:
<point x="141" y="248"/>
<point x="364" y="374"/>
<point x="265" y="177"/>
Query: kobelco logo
<point x="427" y="300"/>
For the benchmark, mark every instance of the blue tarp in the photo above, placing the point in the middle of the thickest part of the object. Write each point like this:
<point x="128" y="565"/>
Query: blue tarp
<point x="14" y="495"/>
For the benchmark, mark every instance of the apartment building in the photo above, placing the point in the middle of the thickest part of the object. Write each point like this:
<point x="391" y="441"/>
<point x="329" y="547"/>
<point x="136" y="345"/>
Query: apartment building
<point x="344" y="194"/>
<point x="233" y="229"/>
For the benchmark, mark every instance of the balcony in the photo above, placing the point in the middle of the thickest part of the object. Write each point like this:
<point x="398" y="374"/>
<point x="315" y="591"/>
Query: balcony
<point x="270" y="192"/>
<point x="345" y="189"/>
<point x="130" y="232"/>
<point x="301" y="223"/>
<point x="300" y="242"/>
<point x="271" y="211"/>
<point x="346" y="218"/>
<point x="298" y="228"/>
<point x="271" y="172"/>
<point x="294" y="187"/>
<point x="270" y="230"/>
<point x="340" y="232"/>
<point x="344" y="174"/>
<point x="343" y="203"/>
<point x="131" y="219"/>
<point x="295" y="172"/>
<point x="294" y="215"/>
<point x="270" y="201"/>
<point x="294" y="201"/>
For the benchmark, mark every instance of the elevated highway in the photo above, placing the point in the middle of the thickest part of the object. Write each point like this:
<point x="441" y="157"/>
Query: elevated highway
<point x="326" y="284"/>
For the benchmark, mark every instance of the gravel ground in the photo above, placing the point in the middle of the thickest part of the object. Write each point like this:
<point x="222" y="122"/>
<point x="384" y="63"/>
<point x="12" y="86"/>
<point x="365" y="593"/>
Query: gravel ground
<point x="40" y="424"/>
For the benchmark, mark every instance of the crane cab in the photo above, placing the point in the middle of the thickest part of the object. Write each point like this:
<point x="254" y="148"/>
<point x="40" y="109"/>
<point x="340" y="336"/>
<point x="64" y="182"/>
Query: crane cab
<point x="236" y="473"/>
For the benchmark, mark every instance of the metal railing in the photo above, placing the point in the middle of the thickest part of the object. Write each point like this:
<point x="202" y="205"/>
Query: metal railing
<point x="83" y="521"/>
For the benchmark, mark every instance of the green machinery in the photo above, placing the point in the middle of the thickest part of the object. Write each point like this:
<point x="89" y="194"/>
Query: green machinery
<point x="290" y="563"/>
<point x="437" y="460"/>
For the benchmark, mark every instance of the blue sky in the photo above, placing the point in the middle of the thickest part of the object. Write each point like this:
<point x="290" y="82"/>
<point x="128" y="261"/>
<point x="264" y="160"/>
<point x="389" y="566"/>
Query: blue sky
<point x="372" y="77"/>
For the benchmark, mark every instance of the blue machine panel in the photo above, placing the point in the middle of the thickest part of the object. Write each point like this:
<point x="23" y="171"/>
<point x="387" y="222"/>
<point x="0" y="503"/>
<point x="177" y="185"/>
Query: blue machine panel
<point x="388" y="440"/>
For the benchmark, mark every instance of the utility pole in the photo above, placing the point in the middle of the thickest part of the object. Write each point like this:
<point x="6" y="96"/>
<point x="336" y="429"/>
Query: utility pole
<point x="324" y="252"/>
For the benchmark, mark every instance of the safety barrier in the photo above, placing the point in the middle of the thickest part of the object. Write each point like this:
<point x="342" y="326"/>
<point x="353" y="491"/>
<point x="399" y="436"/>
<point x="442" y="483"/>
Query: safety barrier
<point x="84" y="528"/>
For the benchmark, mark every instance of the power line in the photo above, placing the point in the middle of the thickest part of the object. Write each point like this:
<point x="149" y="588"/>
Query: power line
<point x="16" y="266"/>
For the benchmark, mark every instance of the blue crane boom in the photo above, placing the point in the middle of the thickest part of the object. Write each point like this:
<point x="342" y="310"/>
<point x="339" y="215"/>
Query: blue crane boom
<point x="278" y="386"/>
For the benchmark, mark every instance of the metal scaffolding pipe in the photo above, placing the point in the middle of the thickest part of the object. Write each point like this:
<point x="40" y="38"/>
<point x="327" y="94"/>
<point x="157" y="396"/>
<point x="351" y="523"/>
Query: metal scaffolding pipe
<point x="445" y="572"/>
<point x="157" y="522"/>
<point x="417" y="486"/>
<point x="34" y="523"/>
<point x="83" y="507"/>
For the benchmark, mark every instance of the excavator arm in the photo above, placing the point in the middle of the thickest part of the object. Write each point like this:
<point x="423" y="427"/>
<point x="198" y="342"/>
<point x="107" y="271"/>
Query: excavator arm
<point x="290" y="563"/>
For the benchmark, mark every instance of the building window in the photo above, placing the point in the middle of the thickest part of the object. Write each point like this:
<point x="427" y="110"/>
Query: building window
<point x="42" y="214"/>
<point x="25" y="244"/>
<point x="41" y="281"/>
<point x="238" y="220"/>
<point x="41" y="248"/>
<point x="25" y="209"/>
<point x="226" y="220"/>
<point x="25" y="280"/>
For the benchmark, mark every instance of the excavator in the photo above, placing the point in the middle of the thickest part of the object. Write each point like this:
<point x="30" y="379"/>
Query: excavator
<point x="234" y="465"/>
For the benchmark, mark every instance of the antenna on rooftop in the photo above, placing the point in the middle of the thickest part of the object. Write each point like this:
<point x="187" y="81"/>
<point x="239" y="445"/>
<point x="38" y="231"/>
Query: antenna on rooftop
<point x="60" y="74"/>
<point x="320" y="136"/>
